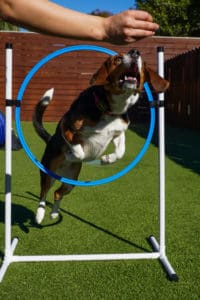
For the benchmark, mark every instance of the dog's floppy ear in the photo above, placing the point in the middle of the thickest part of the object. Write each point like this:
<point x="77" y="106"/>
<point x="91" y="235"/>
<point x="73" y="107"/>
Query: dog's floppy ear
<point x="158" y="83"/>
<point x="101" y="76"/>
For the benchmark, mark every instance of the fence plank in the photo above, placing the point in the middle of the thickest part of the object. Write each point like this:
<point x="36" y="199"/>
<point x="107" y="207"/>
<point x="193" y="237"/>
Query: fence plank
<point x="183" y="97"/>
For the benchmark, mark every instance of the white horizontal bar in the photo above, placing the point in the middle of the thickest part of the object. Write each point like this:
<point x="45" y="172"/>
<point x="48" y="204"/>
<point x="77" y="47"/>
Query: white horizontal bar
<point x="84" y="257"/>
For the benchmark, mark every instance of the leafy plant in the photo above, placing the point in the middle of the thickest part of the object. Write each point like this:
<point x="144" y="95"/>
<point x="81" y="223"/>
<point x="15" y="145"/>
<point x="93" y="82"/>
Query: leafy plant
<point x="176" y="18"/>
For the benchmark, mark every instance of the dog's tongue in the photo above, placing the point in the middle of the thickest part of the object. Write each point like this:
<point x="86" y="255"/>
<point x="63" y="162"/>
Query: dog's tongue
<point x="130" y="78"/>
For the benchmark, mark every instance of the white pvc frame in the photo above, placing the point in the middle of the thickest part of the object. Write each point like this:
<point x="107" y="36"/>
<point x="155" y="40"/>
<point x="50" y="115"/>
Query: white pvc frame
<point x="159" y="251"/>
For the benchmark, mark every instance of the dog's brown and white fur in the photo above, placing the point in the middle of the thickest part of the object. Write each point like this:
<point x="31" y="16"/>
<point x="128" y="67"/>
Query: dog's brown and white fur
<point x="95" y="119"/>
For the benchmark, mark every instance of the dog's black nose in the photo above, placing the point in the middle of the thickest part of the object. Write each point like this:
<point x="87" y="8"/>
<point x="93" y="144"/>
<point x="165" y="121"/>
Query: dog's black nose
<point x="134" y="53"/>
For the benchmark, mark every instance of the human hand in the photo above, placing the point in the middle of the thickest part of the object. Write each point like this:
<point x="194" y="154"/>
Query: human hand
<point x="129" y="26"/>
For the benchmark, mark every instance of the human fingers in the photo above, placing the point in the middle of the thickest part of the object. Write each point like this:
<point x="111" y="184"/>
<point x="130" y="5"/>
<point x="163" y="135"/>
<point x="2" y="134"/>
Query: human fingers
<point x="144" y="25"/>
<point x="139" y="20"/>
<point x="136" y="34"/>
<point x="129" y="26"/>
<point x="140" y="15"/>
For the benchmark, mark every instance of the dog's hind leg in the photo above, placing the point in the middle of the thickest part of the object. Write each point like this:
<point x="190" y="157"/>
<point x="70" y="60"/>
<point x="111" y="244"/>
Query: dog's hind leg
<point x="71" y="171"/>
<point x="64" y="189"/>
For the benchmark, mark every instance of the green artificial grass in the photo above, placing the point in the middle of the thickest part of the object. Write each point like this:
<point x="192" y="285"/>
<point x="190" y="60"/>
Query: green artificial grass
<point x="112" y="218"/>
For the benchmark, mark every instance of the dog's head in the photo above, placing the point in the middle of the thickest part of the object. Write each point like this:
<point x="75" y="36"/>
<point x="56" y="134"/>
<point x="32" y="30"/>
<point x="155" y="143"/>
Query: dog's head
<point x="127" y="73"/>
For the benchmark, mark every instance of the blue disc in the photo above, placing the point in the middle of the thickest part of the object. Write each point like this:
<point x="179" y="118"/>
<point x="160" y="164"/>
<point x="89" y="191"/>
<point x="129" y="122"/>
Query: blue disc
<point x="2" y="128"/>
<point x="22" y="89"/>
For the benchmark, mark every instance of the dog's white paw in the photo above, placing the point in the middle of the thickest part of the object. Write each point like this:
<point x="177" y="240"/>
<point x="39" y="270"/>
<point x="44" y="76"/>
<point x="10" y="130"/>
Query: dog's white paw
<point x="54" y="215"/>
<point x="108" y="159"/>
<point x="40" y="215"/>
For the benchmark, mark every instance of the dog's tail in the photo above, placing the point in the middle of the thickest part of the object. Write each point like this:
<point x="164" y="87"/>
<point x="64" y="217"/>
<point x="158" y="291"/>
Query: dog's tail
<point x="38" y="115"/>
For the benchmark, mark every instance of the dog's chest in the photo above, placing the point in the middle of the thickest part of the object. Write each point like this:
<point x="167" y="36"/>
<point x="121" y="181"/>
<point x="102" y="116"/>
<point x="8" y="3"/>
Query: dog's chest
<point x="96" y="138"/>
<point x="121" y="103"/>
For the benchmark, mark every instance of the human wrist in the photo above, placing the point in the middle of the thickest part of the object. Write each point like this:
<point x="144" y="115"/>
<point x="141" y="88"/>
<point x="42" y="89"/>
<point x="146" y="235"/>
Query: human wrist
<point x="99" y="31"/>
<point x="106" y="26"/>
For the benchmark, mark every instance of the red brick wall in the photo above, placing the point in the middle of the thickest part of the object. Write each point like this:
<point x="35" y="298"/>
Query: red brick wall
<point x="69" y="73"/>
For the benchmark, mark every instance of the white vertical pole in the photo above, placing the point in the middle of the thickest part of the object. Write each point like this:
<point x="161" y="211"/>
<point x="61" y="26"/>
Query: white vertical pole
<point x="8" y="150"/>
<point x="160" y="247"/>
<point x="161" y="139"/>
<point x="9" y="245"/>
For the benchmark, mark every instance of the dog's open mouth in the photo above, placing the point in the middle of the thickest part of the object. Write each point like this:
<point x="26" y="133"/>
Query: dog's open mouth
<point x="130" y="79"/>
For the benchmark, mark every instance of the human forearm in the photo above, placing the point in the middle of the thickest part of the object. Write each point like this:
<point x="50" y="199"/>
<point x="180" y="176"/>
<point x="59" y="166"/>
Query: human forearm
<point x="49" y="18"/>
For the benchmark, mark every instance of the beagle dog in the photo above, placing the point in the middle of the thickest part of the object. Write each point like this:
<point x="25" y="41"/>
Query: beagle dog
<point x="95" y="119"/>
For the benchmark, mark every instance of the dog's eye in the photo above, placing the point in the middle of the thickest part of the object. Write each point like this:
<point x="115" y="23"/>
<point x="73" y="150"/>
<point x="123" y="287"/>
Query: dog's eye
<point x="118" y="60"/>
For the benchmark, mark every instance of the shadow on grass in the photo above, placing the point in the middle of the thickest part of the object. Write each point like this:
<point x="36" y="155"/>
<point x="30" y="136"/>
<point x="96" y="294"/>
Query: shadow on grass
<point x="25" y="218"/>
<point x="182" y="145"/>
<point x="82" y="220"/>
<point x="20" y="216"/>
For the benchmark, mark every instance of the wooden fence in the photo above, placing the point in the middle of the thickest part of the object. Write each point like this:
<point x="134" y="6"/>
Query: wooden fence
<point x="70" y="73"/>
<point x="183" y="97"/>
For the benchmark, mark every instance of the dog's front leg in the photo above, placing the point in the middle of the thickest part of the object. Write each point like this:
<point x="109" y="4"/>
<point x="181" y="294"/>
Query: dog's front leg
<point x="119" y="143"/>
<point x="40" y="211"/>
<point x="46" y="183"/>
<point x="75" y="154"/>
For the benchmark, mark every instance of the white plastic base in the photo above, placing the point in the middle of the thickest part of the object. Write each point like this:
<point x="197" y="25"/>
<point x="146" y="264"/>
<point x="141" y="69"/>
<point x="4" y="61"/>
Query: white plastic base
<point x="8" y="259"/>
<point x="88" y="257"/>
<point x="163" y="259"/>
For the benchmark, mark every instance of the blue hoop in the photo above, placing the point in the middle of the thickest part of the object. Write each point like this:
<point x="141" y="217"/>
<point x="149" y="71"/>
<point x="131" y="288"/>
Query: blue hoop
<point x="38" y="163"/>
